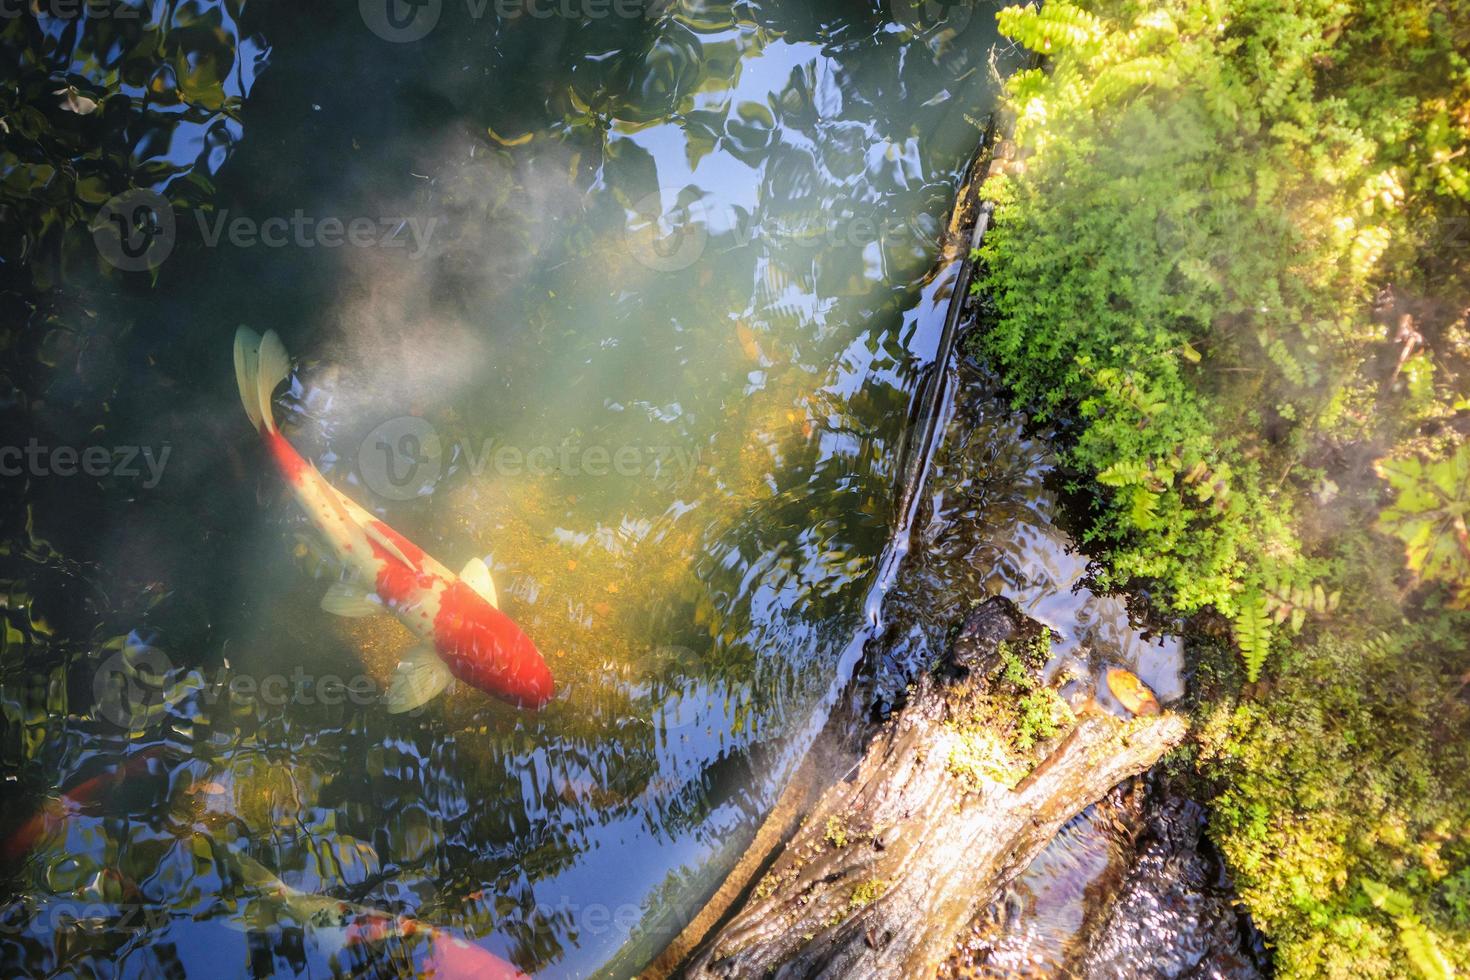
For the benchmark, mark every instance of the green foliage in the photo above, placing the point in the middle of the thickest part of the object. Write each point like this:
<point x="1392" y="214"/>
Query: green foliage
<point x="1290" y="596"/>
<point x="1055" y="26"/>
<point x="1418" y="942"/>
<point x="82" y="105"/>
<point x="1252" y="629"/>
<point x="1181" y="266"/>
<point x="1207" y="200"/>
<point x="1428" y="516"/>
<point x="1000" y="721"/>
<point x="1348" y="785"/>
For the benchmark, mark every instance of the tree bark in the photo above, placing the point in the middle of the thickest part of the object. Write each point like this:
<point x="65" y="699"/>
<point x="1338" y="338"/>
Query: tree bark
<point x="893" y="863"/>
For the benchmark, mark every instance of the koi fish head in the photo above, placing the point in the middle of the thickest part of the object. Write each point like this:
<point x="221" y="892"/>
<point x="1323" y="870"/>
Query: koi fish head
<point x="487" y="650"/>
<point x="452" y="958"/>
<point x="449" y="957"/>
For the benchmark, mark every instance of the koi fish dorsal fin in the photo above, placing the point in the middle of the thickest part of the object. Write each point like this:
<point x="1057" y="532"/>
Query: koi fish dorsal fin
<point x="261" y="363"/>
<point x="418" y="679"/>
<point x="476" y="574"/>
<point x="387" y="544"/>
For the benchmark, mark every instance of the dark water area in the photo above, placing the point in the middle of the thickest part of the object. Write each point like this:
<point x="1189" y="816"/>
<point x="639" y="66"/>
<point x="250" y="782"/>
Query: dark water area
<point x="632" y="306"/>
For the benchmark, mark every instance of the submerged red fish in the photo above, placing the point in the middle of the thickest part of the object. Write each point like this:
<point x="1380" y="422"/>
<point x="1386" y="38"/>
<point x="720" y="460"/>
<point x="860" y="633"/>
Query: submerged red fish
<point x="340" y="926"/>
<point x="467" y="636"/>
<point x="53" y="814"/>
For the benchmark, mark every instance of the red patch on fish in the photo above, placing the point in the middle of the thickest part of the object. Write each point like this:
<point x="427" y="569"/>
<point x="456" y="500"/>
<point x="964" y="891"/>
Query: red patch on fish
<point x="486" y="649"/>
<point x="449" y="957"/>
<point x="398" y="582"/>
<point x="479" y="643"/>
<point x="452" y="958"/>
<point x="288" y="460"/>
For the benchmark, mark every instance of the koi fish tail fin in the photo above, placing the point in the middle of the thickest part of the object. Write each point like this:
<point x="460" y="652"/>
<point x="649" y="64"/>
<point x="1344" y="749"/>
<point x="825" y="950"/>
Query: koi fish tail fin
<point x="261" y="363"/>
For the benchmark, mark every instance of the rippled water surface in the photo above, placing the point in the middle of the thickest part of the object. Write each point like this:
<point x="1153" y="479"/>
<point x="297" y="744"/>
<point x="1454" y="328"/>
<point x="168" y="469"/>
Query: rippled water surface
<point x="628" y="306"/>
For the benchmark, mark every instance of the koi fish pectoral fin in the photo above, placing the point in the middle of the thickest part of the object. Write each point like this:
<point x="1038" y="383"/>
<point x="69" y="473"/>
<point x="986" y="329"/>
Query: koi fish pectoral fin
<point x="345" y="599"/>
<point x="476" y="574"/>
<point x="417" y="680"/>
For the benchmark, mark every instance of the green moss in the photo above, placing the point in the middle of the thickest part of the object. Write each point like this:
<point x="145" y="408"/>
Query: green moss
<point x="999" y="721"/>
<point x="866" y="893"/>
<point x="836" y="834"/>
<point x="1349" y="777"/>
<point x="1181" y="271"/>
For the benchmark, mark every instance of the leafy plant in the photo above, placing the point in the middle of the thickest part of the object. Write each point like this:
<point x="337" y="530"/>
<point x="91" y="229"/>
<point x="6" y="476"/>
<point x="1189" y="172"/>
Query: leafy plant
<point x="1428" y="515"/>
<point x="1197" y="315"/>
<point x="1291" y="596"/>
<point x="1252" y="630"/>
<point x="1205" y="200"/>
<point x="1418" y="942"/>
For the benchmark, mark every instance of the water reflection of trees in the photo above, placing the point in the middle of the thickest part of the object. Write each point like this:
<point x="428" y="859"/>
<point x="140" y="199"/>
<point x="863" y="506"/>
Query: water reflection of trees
<point x="792" y="382"/>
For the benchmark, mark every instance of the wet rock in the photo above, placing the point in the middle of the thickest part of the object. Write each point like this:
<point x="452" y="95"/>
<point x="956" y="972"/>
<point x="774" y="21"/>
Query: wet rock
<point x="1175" y="915"/>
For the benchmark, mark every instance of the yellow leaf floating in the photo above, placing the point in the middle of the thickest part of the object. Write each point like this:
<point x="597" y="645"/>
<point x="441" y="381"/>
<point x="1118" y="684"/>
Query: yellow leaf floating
<point x="1132" y="693"/>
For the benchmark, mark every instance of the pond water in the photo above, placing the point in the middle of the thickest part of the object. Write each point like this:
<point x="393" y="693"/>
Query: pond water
<point x="632" y="307"/>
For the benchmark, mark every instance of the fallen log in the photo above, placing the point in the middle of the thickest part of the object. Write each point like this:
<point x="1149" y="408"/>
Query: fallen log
<point x="956" y="795"/>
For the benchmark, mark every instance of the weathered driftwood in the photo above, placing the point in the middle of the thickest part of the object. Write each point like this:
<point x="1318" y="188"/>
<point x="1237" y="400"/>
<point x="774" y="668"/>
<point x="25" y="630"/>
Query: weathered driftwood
<point x="892" y="864"/>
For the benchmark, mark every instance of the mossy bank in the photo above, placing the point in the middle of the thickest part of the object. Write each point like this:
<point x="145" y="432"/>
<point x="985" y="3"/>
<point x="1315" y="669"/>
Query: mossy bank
<point x="1230" y="265"/>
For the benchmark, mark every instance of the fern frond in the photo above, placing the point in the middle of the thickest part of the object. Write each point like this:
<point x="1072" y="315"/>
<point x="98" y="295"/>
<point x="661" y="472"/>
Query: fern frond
<point x="1251" y="627"/>
<point x="1054" y="27"/>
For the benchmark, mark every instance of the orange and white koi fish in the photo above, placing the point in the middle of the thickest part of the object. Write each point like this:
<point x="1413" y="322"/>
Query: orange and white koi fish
<point x="466" y="635"/>
<point x="343" y="926"/>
